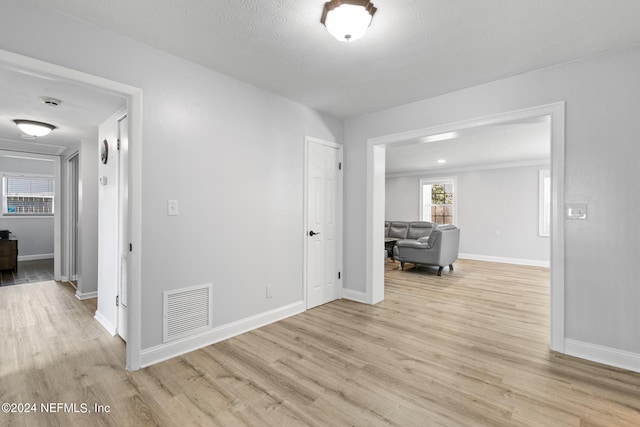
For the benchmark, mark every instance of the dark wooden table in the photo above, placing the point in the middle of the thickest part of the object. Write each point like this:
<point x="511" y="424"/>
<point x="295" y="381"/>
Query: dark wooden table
<point x="8" y="254"/>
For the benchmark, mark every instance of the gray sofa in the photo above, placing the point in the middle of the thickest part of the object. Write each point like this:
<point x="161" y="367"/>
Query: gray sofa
<point x="402" y="230"/>
<point x="440" y="248"/>
<point x="408" y="230"/>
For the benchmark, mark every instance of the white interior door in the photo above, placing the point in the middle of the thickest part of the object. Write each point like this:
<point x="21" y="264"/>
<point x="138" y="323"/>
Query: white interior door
<point x="323" y="231"/>
<point x="123" y="224"/>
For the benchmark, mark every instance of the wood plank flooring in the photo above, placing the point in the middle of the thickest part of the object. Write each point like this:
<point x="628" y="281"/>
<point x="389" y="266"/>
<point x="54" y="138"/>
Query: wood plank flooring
<point x="469" y="348"/>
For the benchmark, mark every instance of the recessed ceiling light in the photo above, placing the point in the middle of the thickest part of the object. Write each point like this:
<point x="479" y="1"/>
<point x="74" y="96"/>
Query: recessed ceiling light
<point x="440" y="137"/>
<point x="33" y="128"/>
<point x="442" y="161"/>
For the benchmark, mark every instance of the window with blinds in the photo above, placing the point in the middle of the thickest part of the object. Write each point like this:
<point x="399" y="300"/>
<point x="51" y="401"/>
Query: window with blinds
<point x="27" y="195"/>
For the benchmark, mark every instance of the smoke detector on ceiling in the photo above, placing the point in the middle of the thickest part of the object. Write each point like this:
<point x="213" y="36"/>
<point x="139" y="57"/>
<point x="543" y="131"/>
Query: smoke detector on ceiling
<point x="52" y="102"/>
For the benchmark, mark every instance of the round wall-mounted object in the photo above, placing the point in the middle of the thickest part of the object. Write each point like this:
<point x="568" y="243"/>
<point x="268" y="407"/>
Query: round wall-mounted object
<point x="104" y="154"/>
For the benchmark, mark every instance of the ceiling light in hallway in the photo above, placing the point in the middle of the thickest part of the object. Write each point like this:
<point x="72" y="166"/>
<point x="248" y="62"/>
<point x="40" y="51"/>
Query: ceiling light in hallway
<point x="347" y="20"/>
<point x="33" y="128"/>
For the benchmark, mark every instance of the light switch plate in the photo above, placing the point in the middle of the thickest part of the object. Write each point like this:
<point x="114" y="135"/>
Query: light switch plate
<point x="576" y="211"/>
<point x="172" y="207"/>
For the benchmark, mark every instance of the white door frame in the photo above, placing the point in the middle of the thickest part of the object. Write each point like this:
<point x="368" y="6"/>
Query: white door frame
<point x="71" y="248"/>
<point x="376" y="198"/>
<point x="340" y="202"/>
<point x="134" y="111"/>
<point x="123" y="222"/>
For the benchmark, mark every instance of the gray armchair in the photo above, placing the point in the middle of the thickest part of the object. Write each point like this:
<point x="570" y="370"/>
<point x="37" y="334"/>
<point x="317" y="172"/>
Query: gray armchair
<point x="440" y="248"/>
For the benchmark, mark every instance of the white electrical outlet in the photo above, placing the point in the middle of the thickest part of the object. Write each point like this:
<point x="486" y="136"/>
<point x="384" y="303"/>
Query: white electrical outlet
<point x="269" y="291"/>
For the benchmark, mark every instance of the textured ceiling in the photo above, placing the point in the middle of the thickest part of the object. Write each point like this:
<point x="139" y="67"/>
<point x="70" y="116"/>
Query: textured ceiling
<point x="413" y="50"/>
<point x="521" y="142"/>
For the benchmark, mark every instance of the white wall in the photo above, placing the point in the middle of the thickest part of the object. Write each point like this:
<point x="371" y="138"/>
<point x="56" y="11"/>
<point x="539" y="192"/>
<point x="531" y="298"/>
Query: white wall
<point x="35" y="235"/>
<point x="601" y="167"/>
<point x="231" y="154"/>
<point x="402" y="198"/>
<point x="497" y="212"/>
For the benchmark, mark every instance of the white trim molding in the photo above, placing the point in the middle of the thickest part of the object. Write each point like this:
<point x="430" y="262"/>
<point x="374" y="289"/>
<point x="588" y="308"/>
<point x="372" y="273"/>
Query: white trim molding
<point x="87" y="295"/>
<point x="356" y="296"/>
<point x="504" y="260"/>
<point x="34" y="257"/>
<point x="181" y="346"/>
<point x="600" y="354"/>
<point x="105" y="323"/>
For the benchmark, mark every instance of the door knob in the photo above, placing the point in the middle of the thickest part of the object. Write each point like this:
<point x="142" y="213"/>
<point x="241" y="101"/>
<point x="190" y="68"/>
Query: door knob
<point x="313" y="233"/>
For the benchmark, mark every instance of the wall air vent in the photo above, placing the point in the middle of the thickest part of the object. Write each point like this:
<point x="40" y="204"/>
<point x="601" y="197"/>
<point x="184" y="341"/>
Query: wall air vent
<point x="186" y="311"/>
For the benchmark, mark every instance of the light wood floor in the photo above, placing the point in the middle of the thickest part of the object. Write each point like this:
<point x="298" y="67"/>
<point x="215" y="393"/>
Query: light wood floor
<point x="469" y="348"/>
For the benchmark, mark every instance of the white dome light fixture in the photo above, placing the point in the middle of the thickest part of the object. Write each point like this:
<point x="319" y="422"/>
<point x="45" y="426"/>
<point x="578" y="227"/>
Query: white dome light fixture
<point x="33" y="128"/>
<point x="347" y="20"/>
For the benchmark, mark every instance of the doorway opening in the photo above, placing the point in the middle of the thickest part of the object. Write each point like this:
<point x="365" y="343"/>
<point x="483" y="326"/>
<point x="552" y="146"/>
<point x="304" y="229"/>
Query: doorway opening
<point x="132" y="99"/>
<point x="376" y="202"/>
<point x="30" y="191"/>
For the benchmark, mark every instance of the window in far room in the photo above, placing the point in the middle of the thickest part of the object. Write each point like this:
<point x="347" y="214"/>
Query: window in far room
<point x="544" y="203"/>
<point x="437" y="200"/>
<point x="27" y="195"/>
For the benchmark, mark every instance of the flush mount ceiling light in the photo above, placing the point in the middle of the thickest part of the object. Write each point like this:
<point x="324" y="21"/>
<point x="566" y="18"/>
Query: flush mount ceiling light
<point x="347" y="20"/>
<point x="33" y="128"/>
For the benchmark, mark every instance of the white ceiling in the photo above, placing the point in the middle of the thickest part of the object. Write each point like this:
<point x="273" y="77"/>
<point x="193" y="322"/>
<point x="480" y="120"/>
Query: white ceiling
<point x="76" y="118"/>
<point x="512" y="143"/>
<point x="414" y="49"/>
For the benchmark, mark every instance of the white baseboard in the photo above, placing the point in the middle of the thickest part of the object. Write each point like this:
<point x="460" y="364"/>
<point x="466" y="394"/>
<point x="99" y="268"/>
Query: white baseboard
<point x="518" y="261"/>
<point x="608" y="356"/>
<point x="356" y="296"/>
<point x="86" y="295"/>
<point x="34" y="257"/>
<point x="172" y="349"/>
<point x="105" y="323"/>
